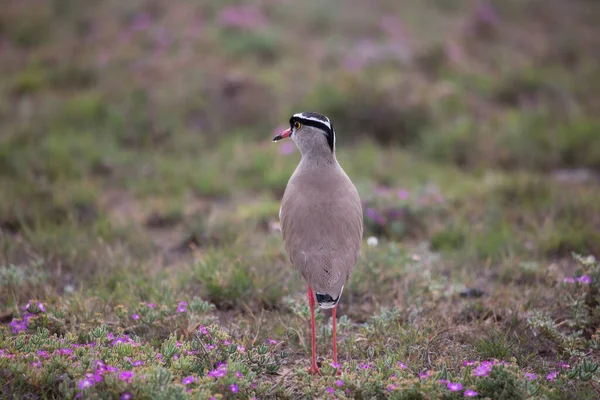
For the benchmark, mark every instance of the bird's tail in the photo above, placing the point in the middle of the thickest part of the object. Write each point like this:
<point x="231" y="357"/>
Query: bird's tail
<point x="326" y="301"/>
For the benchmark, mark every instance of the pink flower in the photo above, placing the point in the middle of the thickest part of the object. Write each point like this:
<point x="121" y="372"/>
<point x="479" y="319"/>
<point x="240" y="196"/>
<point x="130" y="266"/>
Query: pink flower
<point x="483" y="370"/>
<point x="330" y="390"/>
<point x="126" y="396"/>
<point x="239" y="374"/>
<point x="563" y="365"/>
<point x="401" y="365"/>
<point x="188" y="380"/>
<point x="585" y="279"/>
<point x="242" y="17"/>
<point x="126" y="376"/>
<point x="403" y="194"/>
<point x="234" y="388"/>
<point x="182" y="307"/>
<point x="454" y="386"/>
<point x="569" y="280"/>
<point x="529" y="376"/>
<point x="84" y="384"/>
<point x="135" y="317"/>
<point x="138" y="363"/>
<point x="339" y="383"/>
<point x="203" y="330"/>
<point x="552" y="376"/>
<point x="151" y="305"/>
<point x="470" y="393"/>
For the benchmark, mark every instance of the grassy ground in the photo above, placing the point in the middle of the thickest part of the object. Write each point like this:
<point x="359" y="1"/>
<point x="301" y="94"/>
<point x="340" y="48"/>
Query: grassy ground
<point x="140" y="255"/>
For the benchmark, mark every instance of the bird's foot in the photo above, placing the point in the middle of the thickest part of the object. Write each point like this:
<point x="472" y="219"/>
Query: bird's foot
<point x="314" y="370"/>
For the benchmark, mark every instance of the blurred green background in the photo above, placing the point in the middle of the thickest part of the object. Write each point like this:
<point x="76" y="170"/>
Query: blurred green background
<point x="136" y="161"/>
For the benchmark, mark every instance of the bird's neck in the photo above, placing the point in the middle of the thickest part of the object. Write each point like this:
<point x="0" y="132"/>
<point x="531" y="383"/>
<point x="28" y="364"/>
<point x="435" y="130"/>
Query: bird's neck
<point x="319" y="159"/>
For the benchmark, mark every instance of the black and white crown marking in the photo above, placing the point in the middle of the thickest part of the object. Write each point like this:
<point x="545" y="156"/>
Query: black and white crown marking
<point x="319" y="121"/>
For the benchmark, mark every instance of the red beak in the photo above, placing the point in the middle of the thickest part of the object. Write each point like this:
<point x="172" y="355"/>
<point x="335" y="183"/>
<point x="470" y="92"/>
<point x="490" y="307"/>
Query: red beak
<point x="283" y="135"/>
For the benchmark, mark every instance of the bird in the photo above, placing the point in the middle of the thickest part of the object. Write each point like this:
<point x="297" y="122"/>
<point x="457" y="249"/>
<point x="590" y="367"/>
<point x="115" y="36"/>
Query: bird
<point x="321" y="218"/>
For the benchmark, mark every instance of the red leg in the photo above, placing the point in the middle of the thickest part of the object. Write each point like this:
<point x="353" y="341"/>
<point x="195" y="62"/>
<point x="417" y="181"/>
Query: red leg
<point x="333" y="321"/>
<point x="313" y="340"/>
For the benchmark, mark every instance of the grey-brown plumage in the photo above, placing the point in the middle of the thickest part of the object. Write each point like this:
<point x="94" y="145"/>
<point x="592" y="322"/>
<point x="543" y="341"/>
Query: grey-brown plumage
<point x="321" y="213"/>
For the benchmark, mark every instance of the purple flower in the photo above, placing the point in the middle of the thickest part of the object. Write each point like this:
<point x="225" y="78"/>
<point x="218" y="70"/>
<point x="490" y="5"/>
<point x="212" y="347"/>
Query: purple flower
<point x="401" y="365"/>
<point x="339" y="383"/>
<point x="468" y="363"/>
<point x="242" y="17"/>
<point x="203" y="330"/>
<point x="135" y="317"/>
<point x="424" y="375"/>
<point x="239" y="374"/>
<point x="563" y="365"/>
<point x="43" y="354"/>
<point x="552" y="376"/>
<point x="330" y="390"/>
<point x="41" y="307"/>
<point x="364" y="366"/>
<point x="392" y="387"/>
<point x="220" y="372"/>
<point x="375" y="216"/>
<point x="483" y="370"/>
<point x="569" y="280"/>
<point x="66" y="351"/>
<point x="234" y="388"/>
<point x="529" y="376"/>
<point x="272" y="341"/>
<point x="188" y="380"/>
<point x="126" y="396"/>
<point x="182" y="307"/>
<point x="470" y="393"/>
<point x="85" y="383"/>
<point x="137" y="363"/>
<point x="455" y="386"/>
<point x="335" y="365"/>
<point x="585" y="279"/>
<point x="126" y="376"/>
<point x="403" y="194"/>
<point x="17" y="325"/>
<point x="241" y="348"/>
<point x="151" y="305"/>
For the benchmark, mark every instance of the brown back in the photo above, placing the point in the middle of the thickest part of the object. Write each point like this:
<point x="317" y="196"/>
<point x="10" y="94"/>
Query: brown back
<point x="322" y="225"/>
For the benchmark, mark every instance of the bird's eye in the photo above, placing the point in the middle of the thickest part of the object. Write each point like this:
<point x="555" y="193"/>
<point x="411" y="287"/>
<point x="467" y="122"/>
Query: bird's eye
<point x="297" y="125"/>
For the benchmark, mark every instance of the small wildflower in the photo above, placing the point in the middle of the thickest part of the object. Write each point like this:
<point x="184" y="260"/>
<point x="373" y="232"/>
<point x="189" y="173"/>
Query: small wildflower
<point x="150" y="305"/>
<point x="563" y="365"/>
<point x="482" y="370"/>
<point x="241" y="348"/>
<point x="188" y="380"/>
<point x="66" y="351"/>
<point x="330" y="390"/>
<point x="203" y="330"/>
<point x="339" y="383"/>
<point x="234" y="388"/>
<point x="126" y="396"/>
<point x="126" y="375"/>
<point x="470" y="393"/>
<point x="392" y="387"/>
<point x="84" y="384"/>
<point x="182" y="307"/>
<point x="445" y="381"/>
<point x="364" y="366"/>
<point x="530" y="377"/>
<point x="569" y="280"/>
<point x="239" y="374"/>
<point x="272" y="341"/>
<point x="137" y="363"/>
<point x="402" y="365"/>
<point x="403" y="194"/>
<point x="41" y="307"/>
<point x="135" y="317"/>
<point x="220" y="372"/>
<point x="468" y="363"/>
<point x="585" y="279"/>
<point x="335" y="365"/>
<point x="423" y="375"/>
<point x="455" y="386"/>
<point x="372" y="241"/>
<point x="552" y="376"/>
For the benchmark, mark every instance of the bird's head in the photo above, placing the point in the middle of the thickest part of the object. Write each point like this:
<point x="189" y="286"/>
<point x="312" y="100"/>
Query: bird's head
<point x="312" y="133"/>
